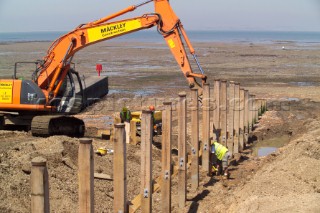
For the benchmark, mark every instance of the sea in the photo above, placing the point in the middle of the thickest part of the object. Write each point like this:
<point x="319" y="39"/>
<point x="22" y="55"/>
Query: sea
<point x="300" y="38"/>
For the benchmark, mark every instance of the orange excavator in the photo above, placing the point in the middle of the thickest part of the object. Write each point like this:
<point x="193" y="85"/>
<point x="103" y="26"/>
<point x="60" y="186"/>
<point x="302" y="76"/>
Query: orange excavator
<point x="46" y="103"/>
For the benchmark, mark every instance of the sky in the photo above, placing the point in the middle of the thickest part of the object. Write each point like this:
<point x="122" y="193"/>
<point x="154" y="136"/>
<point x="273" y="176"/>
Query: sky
<point x="65" y="15"/>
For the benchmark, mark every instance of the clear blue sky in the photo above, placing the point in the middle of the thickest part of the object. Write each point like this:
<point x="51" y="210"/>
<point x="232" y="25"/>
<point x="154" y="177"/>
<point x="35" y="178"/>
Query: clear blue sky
<point x="64" y="15"/>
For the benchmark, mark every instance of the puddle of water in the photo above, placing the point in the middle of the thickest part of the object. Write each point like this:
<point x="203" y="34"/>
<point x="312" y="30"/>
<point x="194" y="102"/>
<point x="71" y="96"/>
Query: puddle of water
<point x="293" y="99"/>
<point x="112" y="73"/>
<point x="266" y="147"/>
<point x="135" y="92"/>
<point x="304" y="84"/>
<point x="264" y="151"/>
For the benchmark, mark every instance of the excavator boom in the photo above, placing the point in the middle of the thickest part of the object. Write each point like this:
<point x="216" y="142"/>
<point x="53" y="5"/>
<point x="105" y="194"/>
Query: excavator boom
<point x="56" y="63"/>
<point x="44" y="96"/>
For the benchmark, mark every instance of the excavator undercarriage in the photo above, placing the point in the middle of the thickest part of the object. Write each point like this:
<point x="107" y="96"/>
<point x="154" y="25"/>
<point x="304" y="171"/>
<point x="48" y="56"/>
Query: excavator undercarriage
<point x="43" y="125"/>
<point x="57" y="125"/>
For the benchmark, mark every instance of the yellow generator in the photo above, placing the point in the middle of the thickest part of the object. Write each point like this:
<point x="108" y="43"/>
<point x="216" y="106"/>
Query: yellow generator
<point x="157" y="121"/>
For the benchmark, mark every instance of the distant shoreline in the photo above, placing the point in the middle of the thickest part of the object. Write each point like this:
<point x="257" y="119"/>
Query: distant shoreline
<point x="151" y="36"/>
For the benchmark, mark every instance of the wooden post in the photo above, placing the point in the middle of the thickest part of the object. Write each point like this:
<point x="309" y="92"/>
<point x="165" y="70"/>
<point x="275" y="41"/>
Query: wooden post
<point x="265" y="105"/>
<point x="223" y="112"/>
<point x="236" y="117"/>
<point x="263" y="101"/>
<point x="241" y="122"/>
<point x="182" y="149"/>
<point x="86" y="176"/>
<point x="262" y="107"/>
<point x="133" y="132"/>
<point x="116" y="120"/>
<point x="259" y="108"/>
<point x="230" y="117"/>
<point x="254" y="119"/>
<point x="166" y="157"/>
<point x="194" y="140"/>
<point x="39" y="186"/>
<point x="119" y="169"/>
<point x="216" y="110"/>
<point x="127" y="131"/>
<point x="146" y="160"/>
<point x="246" y="115"/>
<point x="251" y="113"/>
<point x="206" y="128"/>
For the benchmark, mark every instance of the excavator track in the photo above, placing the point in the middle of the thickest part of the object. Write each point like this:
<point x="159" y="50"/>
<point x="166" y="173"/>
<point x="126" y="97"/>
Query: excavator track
<point x="1" y="122"/>
<point x="48" y="125"/>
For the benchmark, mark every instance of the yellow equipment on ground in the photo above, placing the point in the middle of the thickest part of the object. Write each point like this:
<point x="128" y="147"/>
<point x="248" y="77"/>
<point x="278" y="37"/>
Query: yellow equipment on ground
<point x="157" y="125"/>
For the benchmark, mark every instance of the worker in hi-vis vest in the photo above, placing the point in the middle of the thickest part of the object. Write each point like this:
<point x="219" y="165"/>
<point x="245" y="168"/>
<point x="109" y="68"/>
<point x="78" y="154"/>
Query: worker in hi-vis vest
<point x="220" y="156"/>
<point x="125" y="115"/>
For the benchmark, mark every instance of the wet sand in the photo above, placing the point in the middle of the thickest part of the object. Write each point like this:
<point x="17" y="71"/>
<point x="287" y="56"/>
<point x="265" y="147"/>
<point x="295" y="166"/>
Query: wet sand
<point x="150" y="69"/>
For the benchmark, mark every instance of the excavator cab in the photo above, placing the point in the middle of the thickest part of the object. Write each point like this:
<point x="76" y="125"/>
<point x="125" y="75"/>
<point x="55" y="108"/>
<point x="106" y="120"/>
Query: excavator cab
<point x="69" y="98"/>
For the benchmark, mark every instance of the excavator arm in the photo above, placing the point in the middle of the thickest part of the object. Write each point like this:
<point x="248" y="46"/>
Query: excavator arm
<point x="56" y="64"/>
<point x="172" y="30"/>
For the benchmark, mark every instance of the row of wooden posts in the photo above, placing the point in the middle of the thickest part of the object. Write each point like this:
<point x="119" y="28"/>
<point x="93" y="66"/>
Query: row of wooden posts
<point x="234" y="113"/>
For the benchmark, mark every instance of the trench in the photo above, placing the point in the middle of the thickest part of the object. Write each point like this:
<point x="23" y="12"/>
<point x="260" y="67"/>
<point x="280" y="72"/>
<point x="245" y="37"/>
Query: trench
<point x="291" y="123"/>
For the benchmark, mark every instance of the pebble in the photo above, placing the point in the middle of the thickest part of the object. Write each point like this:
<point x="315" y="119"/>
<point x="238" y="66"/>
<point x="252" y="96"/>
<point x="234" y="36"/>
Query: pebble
<point x="26" y="168"/>
<point x="68" y="163"/>
<point x="4" y="165"/>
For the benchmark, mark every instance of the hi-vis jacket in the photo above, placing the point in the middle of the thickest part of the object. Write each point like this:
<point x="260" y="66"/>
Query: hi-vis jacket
<point x="125" y="116"/>
<point x="218" y="149"/>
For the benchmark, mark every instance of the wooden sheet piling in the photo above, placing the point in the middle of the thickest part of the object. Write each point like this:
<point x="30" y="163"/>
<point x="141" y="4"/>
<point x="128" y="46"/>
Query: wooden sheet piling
<point x="119" y="169"/>
<point x="236" y="122"/>
<point x="206" y="128"/>
<point x="146" y="160"/>
<point x="39" y="186"/>
<point x="223" y="112"/>
<point x="182" y="147"/>
<point x="246" y="115"/>
<point x="166" y="157"/>
<point x="230" y="116"/>
<point x="241" y="121"/>
<point x="194" y="140"/>
<point x="133" y="132"/>
<point x="86" y="176"/>
<point x="216" y="109"/>
<point x="251" y="113"/>
<point x="255" y="110"/>
<point x="259" y="108"/>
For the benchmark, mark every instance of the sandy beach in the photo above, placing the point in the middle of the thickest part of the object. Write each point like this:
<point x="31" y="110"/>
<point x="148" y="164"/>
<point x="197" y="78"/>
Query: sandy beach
<point x="278" y="71"/>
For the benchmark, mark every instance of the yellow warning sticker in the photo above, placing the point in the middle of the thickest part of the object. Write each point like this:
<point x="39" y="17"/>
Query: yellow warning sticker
<point x="6" y="92"/>
<point x="171" y="43"/>
<point x="109" y="30"/>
